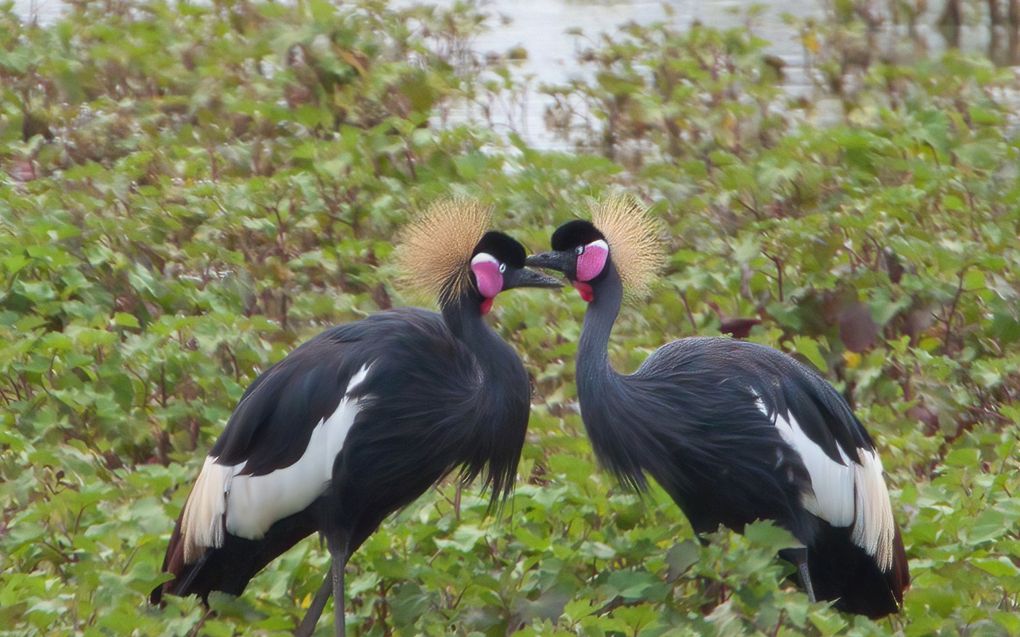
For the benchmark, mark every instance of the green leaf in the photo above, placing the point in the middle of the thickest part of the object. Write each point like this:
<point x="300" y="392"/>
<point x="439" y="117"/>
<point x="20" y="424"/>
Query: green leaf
<point x="768" y="535"/>
<point x="632" y="584"/>
<point x="963" y="457"/>
<point x="997" y="567"/>
<point x="122" y="319"/>
<point x="464" y="539"/>
<point x="681" y="557"/>
<point x="808" y="348"/>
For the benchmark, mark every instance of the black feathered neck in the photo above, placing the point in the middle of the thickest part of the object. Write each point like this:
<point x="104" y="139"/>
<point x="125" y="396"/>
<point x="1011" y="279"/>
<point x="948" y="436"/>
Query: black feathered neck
<point x="498" y="404"/>
<point x="601" y="389"/>
<point x="630" y="424"/>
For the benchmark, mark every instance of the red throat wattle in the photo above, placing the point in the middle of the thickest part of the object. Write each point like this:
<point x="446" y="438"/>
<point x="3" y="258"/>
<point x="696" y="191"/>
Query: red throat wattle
<point x="486" y="306"/>
<point x="584" y="289"/>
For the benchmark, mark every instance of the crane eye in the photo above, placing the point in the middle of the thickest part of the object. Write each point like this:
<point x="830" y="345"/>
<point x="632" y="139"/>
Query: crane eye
<point x="502" y="268"/>
<point x="579" y="250"/>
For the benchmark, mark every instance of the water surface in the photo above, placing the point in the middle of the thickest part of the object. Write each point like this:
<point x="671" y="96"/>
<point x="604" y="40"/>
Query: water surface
<point x="541" y="26"/>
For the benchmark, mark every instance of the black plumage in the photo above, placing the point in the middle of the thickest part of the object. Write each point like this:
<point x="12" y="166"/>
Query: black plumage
<point x="736" y="432"/>
<point x="414" y="395"/>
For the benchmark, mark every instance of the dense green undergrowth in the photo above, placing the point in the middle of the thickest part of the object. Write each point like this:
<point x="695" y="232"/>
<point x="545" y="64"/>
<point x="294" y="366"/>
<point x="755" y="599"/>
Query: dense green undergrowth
<point x="187" y="192"/>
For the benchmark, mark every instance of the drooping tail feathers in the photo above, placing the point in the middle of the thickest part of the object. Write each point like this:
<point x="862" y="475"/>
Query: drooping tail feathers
<point x="229" y="568"/>
<point x="842" y="571"/>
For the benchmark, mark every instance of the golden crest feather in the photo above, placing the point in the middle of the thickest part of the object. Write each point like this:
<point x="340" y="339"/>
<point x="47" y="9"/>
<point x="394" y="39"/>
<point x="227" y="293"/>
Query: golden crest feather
<point x="634" y="238"/>
<point x="435" y="249"/>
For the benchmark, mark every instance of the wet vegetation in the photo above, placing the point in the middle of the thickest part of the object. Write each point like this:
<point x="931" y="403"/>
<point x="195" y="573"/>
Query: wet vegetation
<point x="187" y="192"/>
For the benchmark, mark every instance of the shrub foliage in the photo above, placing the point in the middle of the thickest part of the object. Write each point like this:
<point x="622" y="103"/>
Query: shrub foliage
<point x="189" y="191"/>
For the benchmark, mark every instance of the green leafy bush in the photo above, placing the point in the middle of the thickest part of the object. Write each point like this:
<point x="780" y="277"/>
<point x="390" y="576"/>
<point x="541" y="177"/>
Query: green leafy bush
<point x="189" y="191"/>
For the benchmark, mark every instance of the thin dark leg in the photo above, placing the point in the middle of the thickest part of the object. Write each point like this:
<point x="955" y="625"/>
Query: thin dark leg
<point x="339" y="562"/>
<point x="805" y="578"/>
<point x="799" y="558"/>
<point x="307" y="626"/>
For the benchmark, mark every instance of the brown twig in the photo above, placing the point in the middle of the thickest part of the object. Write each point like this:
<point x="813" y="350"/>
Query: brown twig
<point x="687" y="307"/>
<point x="952" y="309"/>
<point x="778" y="261"/>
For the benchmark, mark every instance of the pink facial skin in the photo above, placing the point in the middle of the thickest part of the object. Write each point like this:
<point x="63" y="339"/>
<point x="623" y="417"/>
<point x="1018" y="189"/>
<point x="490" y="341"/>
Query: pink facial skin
<point x="488" y="278"/>
<point x="592" y="260"/>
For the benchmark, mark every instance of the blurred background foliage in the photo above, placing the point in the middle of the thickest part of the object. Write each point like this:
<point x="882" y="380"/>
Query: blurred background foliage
<point x="187" y="192"/>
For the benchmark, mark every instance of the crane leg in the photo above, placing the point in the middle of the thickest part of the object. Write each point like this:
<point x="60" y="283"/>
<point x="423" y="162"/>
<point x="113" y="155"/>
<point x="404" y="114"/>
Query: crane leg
<point x="805" y="577"/>
<point x="799" y="558"/>
<point x="311" y="618"/>
<point x="339" y="562"/>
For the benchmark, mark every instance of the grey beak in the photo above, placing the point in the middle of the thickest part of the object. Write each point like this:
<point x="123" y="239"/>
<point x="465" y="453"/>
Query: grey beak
<point x="527" y="278"/>
<point x="554" y="260"/>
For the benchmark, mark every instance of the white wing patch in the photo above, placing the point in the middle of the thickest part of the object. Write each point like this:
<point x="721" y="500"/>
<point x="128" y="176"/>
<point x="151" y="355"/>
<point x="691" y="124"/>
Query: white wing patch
<point x="246" y="506"/>
<point x="850" y="494"/>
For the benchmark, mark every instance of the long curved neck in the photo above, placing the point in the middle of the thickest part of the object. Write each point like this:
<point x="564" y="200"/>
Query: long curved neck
<point x="593" y="368"/>
<point x="608" y="400"/>
<point x="464" y="318"/>
<point x="498" y="406"/>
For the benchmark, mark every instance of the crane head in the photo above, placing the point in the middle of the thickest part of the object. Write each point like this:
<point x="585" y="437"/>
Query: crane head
<point x="580" y="252"/>
<point x="498" y="264"/>
<point x="620" y="230"/>
<point x="448" y="253"/>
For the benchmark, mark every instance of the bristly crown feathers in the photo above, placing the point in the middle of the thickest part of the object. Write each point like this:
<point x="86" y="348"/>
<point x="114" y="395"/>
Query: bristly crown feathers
<point x="435" y="249"/>
<point x="635" y="241"/>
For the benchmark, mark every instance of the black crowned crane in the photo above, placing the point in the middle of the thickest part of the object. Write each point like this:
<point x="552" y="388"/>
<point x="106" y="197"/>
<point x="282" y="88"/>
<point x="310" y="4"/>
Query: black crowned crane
<point x="364" y="418"/>
<point x="733" y="431"/>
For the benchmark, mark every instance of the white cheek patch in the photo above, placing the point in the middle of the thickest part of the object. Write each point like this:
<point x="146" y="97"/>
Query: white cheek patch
<point x="223" y="500"/>
<point x="487" y="275"/>
<point x="591" y="262"/>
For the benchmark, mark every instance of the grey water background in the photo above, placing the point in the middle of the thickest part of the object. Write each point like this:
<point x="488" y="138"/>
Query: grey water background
<point x="541" y="27"/>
